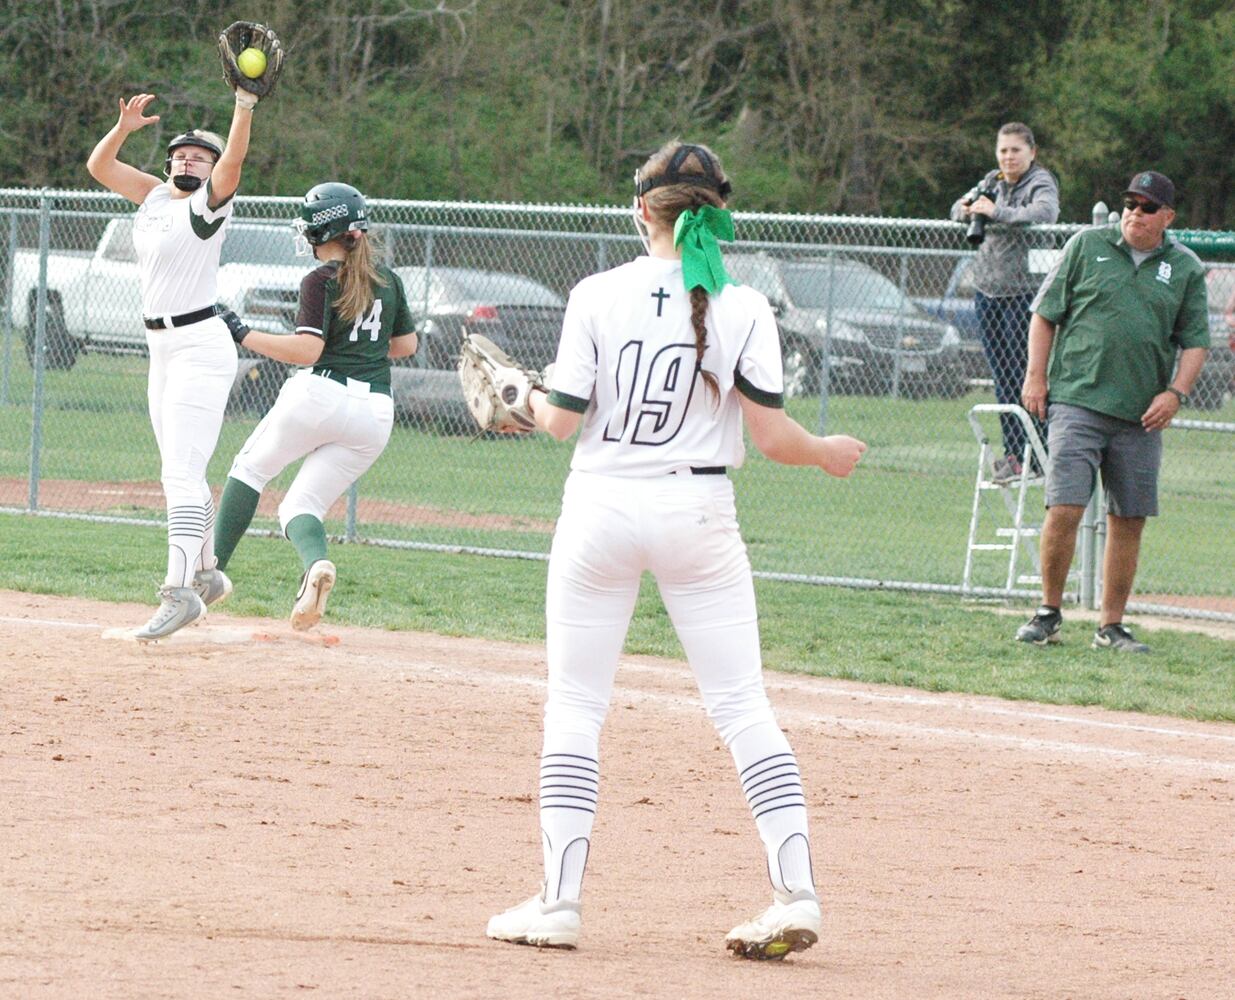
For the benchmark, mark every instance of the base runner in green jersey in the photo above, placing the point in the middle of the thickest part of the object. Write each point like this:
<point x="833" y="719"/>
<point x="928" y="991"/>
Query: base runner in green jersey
<point x="336" y="412"/>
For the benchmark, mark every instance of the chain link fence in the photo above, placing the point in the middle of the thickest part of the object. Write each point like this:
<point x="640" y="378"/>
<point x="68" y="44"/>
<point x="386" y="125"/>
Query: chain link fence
<point x="882" y="338"/>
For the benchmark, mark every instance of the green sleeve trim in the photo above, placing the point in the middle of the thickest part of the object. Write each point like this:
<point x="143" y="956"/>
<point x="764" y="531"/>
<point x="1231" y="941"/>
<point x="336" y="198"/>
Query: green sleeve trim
<point x="565" y="402"/>
<point x="210" y="197"/>
<point x="203" y="229"/>
<point x="776" y="400"/>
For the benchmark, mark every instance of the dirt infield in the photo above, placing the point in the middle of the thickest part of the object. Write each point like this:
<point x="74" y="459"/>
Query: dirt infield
<point x="241" y="813"/>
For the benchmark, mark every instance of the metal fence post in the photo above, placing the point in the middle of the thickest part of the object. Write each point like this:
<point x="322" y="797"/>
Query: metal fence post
<point x="8" y="310"/>
<point x="428" y="269"/>
<point x="40" y="336"/>
<point x="602" y="256"/>
<point x="825" y="374"/>
<point x="900" y="328"/>
<point x="353" y="500"/>
<point x="1099" y="213"/>
<point x="1093" y="531"/>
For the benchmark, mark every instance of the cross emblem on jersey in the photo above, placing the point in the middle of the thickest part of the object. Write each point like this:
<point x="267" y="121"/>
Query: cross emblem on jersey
<point x="660" y="295"/>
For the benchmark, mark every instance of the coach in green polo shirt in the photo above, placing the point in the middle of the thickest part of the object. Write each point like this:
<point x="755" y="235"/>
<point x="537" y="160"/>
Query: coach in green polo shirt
<point x="1109" y="322"/>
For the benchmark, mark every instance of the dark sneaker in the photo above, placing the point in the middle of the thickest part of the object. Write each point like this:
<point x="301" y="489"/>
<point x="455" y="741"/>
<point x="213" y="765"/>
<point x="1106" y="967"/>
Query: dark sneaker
<point x="1118" y="638"/>
<point x="1042" y="628"/>
<point x="1006" y="470"/>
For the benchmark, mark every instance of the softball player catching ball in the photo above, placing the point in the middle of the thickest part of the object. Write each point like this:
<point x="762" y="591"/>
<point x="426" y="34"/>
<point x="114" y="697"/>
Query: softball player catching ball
<point x="178" y="233"/>
<point x="336" y="414"/>
<point x="659" y="361"/>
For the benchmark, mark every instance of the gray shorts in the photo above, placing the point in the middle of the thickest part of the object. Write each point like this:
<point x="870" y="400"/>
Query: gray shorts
<point x="1082" y="442"/>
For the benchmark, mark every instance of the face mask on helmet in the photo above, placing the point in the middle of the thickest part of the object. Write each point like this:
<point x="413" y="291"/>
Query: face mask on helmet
<point x="189" y="182"/>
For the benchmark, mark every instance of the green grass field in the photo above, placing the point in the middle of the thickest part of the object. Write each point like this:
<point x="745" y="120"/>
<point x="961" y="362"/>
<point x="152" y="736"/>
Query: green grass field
<point x="933" y="643"/>
<point x="903" y="517"/>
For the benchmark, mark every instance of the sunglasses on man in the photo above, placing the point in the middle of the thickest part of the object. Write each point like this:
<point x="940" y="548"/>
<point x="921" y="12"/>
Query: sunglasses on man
<point x="1146" y="207"/>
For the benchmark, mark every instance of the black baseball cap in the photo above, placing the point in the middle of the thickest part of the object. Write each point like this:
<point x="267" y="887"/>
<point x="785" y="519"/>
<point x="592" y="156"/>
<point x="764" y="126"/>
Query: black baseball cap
<point x="1153" y="186"/>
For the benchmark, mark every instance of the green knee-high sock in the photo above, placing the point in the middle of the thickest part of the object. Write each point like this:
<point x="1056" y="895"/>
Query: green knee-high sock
<point x="236" y="511"/>
<point x="308" y="534"/>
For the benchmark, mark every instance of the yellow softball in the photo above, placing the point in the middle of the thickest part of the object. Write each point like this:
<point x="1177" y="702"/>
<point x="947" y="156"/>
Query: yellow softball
<point x="252" y="62"/>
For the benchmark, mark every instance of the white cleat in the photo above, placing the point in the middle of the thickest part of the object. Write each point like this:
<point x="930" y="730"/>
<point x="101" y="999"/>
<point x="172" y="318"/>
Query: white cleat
<point x="543" y="925"/>
<point x="315" y="587"/>
<point x="778" y="930"/>
<point x="178" y="607"/>
<point x="212" y="586"/>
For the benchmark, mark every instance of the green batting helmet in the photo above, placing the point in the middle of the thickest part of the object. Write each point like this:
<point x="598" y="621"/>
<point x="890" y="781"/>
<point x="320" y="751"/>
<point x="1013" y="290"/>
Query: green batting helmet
<point x="330" y="210"/>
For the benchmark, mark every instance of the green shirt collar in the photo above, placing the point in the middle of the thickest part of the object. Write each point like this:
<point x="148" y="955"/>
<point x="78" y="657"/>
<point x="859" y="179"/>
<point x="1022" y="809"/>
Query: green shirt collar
<point x="1114" y="236"/>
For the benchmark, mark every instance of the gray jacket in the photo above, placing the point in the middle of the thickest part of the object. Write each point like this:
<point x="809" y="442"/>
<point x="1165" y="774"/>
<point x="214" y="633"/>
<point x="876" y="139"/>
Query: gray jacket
<point x="1002" y="264"/>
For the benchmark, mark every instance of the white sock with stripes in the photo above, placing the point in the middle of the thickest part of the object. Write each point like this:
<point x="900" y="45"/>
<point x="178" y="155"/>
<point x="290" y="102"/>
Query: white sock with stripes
<point x="772" y="784"/>
<point x="205" y="558"/>
<point x="569" y="787"/>
<point x="186" y="527"/>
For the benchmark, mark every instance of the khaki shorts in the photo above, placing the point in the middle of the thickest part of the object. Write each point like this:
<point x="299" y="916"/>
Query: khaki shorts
<point x="1083" y="443"/>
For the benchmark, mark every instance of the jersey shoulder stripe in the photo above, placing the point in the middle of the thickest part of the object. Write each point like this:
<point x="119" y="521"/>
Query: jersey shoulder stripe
<point x="566" y="401"/>
<point x="776" y="400"/>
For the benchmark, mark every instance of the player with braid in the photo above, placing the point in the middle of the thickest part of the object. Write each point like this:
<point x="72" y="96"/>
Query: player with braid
<point x="178" y="234"/>
<point x="661" y="361"/>
<point x="336" y="412"/>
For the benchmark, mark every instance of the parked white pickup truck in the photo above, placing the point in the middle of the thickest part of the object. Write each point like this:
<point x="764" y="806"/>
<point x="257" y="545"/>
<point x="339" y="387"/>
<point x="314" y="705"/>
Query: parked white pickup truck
<point x="94" y="300"/>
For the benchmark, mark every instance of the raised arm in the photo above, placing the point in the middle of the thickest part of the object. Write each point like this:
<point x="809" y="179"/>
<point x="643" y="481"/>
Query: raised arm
<point x="784" y="440"/>
<point x="225" y="177"/>
<point x="104" y="167"/>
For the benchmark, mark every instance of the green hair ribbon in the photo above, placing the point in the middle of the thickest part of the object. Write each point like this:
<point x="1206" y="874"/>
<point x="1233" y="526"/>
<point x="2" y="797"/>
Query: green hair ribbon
<point x="696" y="232"/>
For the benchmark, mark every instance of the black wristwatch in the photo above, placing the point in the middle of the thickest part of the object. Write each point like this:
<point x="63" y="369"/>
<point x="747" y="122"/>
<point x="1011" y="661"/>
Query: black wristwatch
<point x="1181" y="396"/>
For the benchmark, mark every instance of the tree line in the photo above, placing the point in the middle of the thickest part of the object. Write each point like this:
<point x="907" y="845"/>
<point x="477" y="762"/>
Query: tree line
<point x="872" y="107"/>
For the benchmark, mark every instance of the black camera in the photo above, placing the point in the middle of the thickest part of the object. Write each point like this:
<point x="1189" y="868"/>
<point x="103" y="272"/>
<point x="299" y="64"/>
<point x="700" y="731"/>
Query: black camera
<point x="976" y="232"/>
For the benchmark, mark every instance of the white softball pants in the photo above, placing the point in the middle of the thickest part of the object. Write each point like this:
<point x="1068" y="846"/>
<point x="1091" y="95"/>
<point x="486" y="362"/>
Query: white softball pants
<point x="340" y="430"/>
<point x="684" y="530"/>
<point x="192" y="369"/>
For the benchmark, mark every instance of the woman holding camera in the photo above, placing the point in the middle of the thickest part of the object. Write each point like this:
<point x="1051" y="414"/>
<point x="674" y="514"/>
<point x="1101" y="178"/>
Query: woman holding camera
<point x="1018" y="193"/>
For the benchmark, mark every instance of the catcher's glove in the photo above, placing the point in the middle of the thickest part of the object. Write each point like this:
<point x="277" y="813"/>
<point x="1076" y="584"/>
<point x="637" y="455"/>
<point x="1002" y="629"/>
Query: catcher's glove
<point x="496" y="388"/>
<point x="241" y="35"/>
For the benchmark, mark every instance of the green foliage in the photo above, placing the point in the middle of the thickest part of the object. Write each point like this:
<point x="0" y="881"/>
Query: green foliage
<point x="860" y="106"/>
<point x="1157" y="97"/>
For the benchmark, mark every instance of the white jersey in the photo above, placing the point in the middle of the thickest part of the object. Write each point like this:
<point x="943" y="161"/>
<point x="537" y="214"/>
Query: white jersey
<point x="178" y="241"/>
<point x="627" y="362"/>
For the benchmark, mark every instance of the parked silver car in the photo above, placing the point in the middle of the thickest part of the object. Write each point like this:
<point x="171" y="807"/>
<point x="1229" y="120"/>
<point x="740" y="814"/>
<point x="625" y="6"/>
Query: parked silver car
<point x="520" y="315"/>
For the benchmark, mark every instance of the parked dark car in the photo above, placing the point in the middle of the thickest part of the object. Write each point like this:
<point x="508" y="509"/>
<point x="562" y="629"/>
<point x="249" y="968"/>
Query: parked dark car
<point x="956" y="307"/>
<point x="1212" y="389"/>
<point x="520" y="315"/>
<point x="878" y="340"/>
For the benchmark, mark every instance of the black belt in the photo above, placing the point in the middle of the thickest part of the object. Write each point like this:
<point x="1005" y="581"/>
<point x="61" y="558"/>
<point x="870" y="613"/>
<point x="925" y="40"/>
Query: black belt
<point x="184" y="319"/>
<point x="703" y="470"/>
<point x="339" y="377"/>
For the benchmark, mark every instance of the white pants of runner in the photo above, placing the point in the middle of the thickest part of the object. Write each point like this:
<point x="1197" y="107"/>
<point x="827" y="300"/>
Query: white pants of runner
<point x="192" y="369"/>
<point x="684" y="530"/>
<point x="339" y="430"/>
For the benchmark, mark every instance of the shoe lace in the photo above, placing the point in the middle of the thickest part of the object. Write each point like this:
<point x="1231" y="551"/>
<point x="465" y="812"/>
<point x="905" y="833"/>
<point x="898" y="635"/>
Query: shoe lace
<point x="167" y="609"/>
